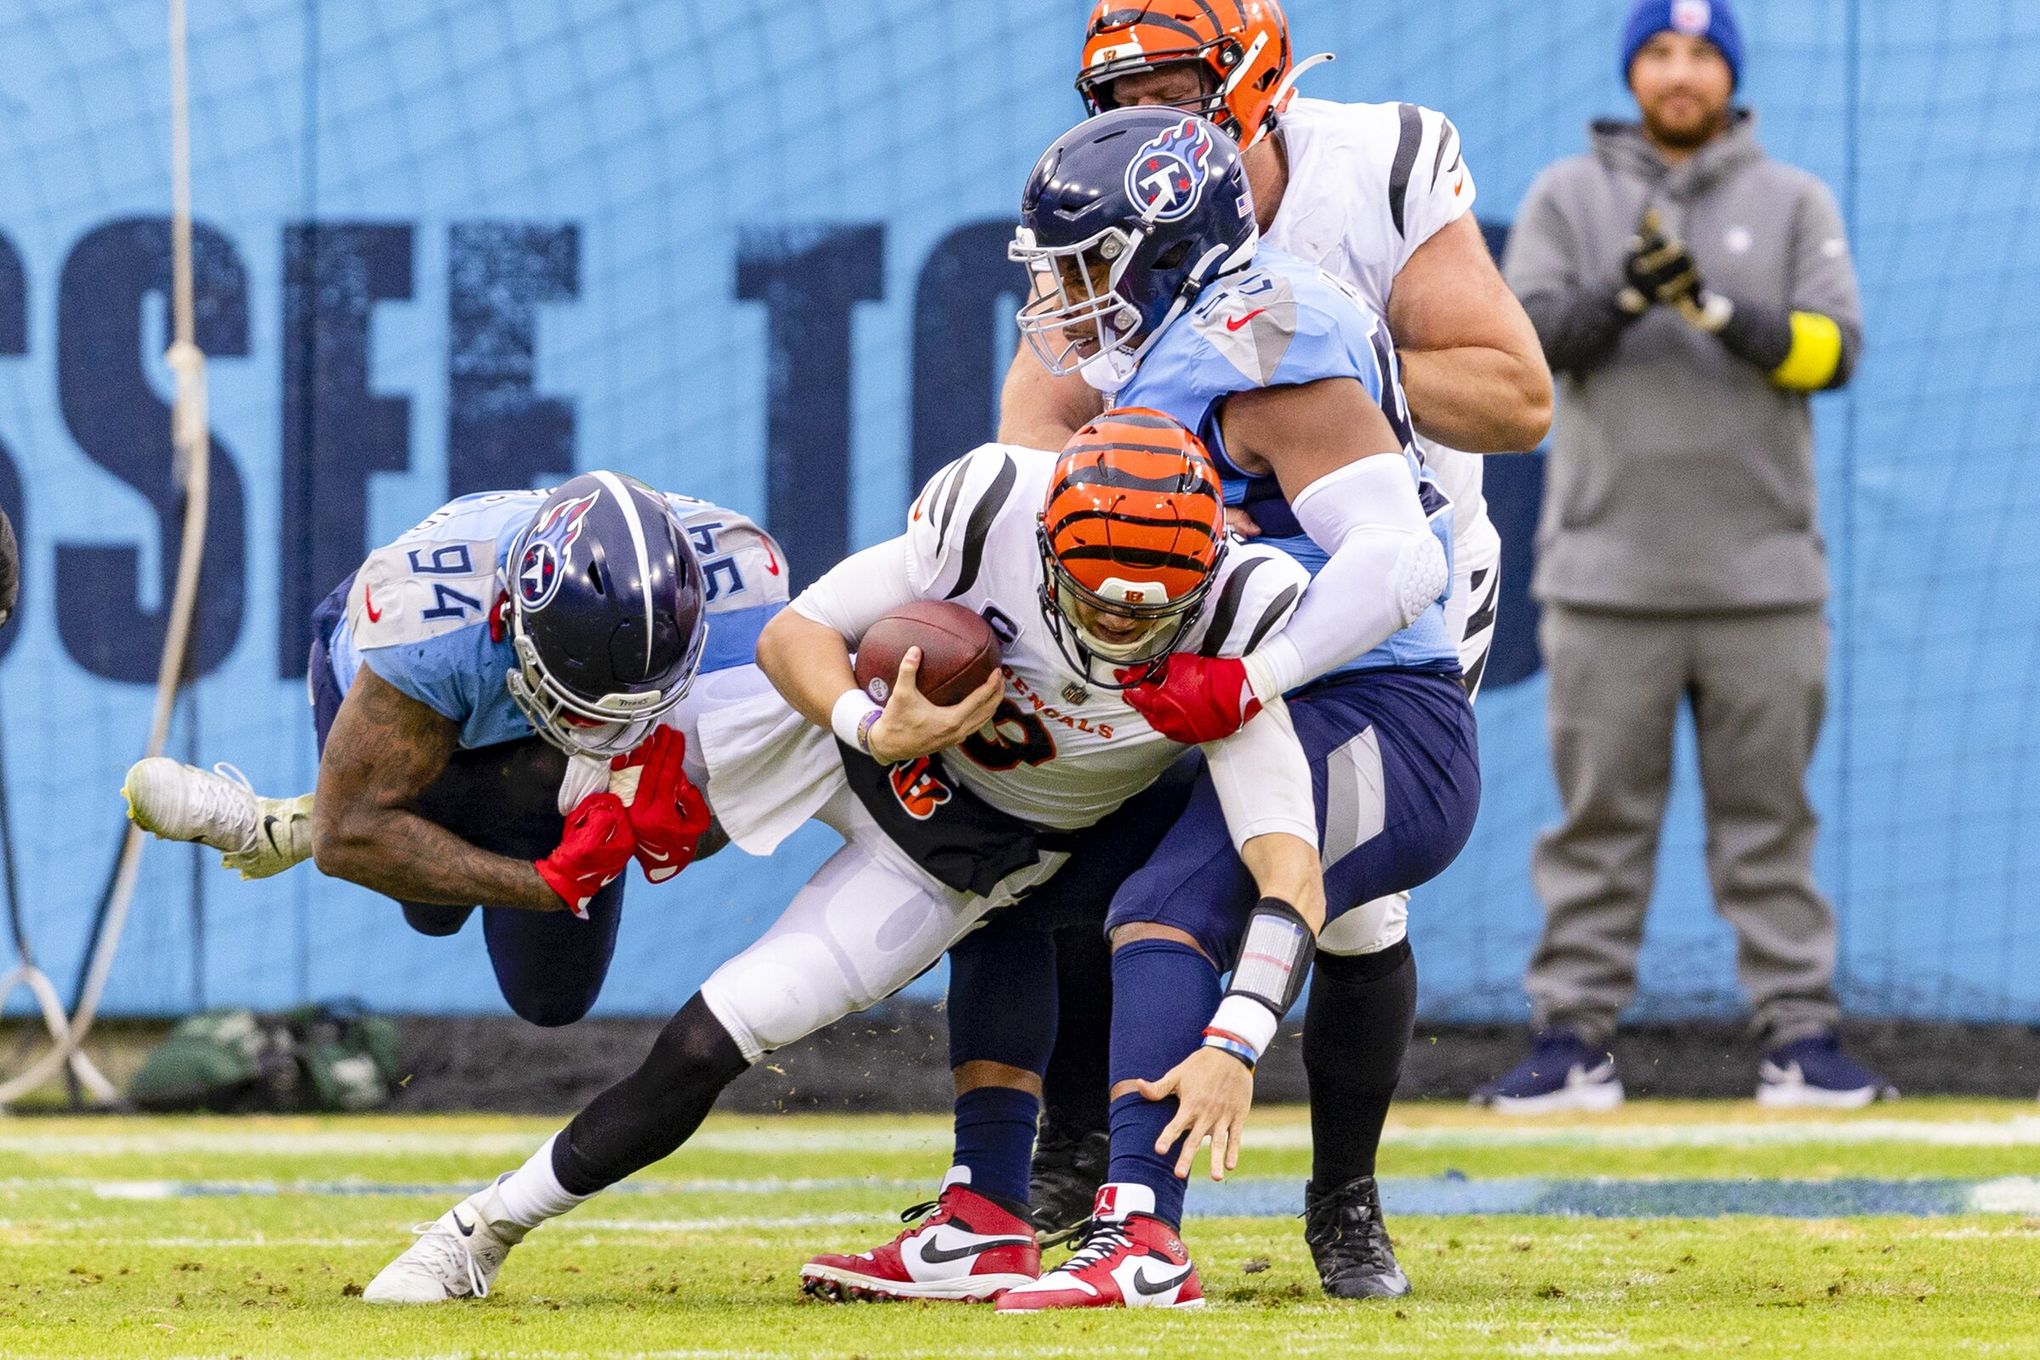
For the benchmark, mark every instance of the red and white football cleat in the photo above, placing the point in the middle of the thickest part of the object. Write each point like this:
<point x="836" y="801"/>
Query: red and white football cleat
<point x="1129" y="1259"/>
<point x="969" y="1250"/>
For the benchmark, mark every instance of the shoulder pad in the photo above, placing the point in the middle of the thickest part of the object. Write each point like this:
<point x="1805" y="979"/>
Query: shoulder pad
<point x="743" y="565"/>
<point x="1257" y="590"/>
<point x="1291" y="326"/>
<point x="953" y="516"/>
<point x="410" y="592"/>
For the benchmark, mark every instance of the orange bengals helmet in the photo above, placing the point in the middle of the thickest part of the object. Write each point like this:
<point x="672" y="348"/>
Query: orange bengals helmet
<point x="1132" y="534"/>
<point x="1243" y="46"/>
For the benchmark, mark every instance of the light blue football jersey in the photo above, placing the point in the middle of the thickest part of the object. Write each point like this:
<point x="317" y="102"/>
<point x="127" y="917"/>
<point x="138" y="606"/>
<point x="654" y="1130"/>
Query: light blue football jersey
<point x="419" y="611"/>
<point x="1282" y="322"/>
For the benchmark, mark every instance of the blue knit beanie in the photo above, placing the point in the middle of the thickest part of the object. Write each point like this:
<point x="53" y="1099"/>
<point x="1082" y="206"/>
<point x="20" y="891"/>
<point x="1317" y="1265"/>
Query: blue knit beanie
<point x="1713" y="20"/>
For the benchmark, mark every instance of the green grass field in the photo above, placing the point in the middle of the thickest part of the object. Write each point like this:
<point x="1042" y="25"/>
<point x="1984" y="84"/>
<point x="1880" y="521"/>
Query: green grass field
<point x="249" y="1237"/>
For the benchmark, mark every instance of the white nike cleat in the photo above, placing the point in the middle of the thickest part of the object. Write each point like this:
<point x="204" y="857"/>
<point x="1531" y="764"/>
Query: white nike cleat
<point x="455" y="1257"/>
<point x="217" y="807"/>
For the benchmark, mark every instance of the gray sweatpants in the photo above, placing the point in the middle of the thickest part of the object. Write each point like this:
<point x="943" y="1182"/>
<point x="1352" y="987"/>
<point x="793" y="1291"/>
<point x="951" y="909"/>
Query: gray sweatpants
<point x="1757" y="684"/>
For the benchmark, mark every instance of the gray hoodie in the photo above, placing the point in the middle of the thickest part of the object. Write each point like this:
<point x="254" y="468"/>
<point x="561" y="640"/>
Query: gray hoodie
<point x="1680" y="477"/>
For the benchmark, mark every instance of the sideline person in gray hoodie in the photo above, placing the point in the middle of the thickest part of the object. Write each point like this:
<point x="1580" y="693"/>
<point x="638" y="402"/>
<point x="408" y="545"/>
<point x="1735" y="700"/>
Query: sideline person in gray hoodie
<point x="1689" y="293"/>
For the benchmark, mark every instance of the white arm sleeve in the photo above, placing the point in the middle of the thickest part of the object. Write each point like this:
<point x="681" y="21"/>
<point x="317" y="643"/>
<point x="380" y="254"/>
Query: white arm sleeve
<point x="1386" y="569"/>
<point x="1263" y="778"/>
<point x="860" y="590"/>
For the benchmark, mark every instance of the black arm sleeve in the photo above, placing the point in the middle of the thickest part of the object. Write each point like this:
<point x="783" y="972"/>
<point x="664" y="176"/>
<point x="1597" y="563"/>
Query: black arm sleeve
<point x="1578" y="328"/>
<point x="1758" y="334"/>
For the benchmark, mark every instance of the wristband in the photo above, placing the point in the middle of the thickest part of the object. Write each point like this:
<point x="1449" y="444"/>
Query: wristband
<point x="1246" y="1020"/>
<point x="1230" y="1043"/>
<point x="852" y="717"/>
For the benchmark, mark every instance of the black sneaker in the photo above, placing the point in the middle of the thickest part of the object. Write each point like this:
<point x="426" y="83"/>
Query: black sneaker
<point x="1066" y="1175"/>
<point x="1349" y="1242"/>
<point x="1814" y="1074"/>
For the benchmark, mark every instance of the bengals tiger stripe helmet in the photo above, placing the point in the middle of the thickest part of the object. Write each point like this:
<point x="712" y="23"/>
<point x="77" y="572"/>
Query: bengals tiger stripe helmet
<point x="1243" y="46"/>
<point x="1132" y="534"/>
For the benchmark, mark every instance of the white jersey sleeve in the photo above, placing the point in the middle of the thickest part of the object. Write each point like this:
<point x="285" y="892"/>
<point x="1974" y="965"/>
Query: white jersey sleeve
<point x="1431" y="187"/>
<point x="1256" y="592"/>
<point x="939" y="557"/>
<point x="951" y="521"/>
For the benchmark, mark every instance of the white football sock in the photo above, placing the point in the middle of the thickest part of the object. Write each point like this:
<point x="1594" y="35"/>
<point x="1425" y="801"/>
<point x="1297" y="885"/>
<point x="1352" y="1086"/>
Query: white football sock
<point x="531" y="1194"/>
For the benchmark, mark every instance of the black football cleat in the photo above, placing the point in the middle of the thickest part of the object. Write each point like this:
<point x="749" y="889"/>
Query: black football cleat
<point x="1349" y="1242"/>
<point x="1065" y="1179"/>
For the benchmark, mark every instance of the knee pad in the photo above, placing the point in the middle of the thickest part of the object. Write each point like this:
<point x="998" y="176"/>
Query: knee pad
<point x="779" y="990"/>
<point x="430" y="918"/>
<point x="1354" y="970"/>
<point x="1368" y="928"/>
<point x="553" y="1010"/>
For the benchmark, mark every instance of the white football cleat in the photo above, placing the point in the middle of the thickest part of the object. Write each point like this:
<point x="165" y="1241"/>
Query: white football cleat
<point x="455" y="1257"/>
<point x="216" y="807"/>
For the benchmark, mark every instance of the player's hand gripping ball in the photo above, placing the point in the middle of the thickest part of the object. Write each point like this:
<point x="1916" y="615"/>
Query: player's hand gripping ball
<point x="958" y="650"/>
<point x="935" y="668"/>
<point x="668" y="815"/>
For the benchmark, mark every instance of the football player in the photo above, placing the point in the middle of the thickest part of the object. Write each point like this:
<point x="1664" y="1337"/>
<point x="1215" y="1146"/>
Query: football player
<point x="1380" y="196"/>
<point x="1139" y="227"/>
<point x="1093" y="566"/>
<point x="472" y="684"/>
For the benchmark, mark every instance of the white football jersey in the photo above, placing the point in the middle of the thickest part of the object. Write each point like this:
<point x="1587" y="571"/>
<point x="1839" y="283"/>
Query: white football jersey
<point x="1060" y="752"/>
<point x="1368" y="184"/>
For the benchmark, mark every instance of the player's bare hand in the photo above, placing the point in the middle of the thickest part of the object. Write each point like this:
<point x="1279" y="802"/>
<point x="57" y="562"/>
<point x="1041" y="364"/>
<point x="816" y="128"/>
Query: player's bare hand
<point x="912" y="727"/>
<point x="1213" y="1091"/>
<point x="1241" y="523"/>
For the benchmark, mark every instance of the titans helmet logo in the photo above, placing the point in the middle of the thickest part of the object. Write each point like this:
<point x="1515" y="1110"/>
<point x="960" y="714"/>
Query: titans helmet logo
<point x="545" y="549"/>
<point x="1166" y="177"/>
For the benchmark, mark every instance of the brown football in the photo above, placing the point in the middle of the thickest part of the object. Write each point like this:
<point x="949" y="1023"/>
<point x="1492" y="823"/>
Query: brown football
<point x="958" y="650"/>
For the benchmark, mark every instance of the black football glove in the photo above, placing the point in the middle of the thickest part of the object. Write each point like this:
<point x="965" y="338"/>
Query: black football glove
<point x="1658" y="271"/>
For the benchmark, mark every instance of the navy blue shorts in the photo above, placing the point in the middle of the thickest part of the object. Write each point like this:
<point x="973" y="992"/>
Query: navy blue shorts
<point x="1395" y="769"/>
<point x="549" y="965"/>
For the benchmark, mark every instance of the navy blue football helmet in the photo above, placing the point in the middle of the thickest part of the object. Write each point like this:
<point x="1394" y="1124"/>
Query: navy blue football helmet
<point x="1124" y="221"/>
<point x="606" y="614"/>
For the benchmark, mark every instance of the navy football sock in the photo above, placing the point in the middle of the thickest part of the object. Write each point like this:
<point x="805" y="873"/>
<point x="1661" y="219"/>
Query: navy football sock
<point x="1356" y="1032"/>
<point x="1164" y="993"/>
<point x="1079" y="1067"/>
<point x="995" y="1139"/>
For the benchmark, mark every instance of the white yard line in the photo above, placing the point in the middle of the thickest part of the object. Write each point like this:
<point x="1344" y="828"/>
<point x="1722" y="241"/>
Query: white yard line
<point x="54" y="1142"/>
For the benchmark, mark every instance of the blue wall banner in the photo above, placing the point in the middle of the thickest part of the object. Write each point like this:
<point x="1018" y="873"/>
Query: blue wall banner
<point x="755" y="252"/>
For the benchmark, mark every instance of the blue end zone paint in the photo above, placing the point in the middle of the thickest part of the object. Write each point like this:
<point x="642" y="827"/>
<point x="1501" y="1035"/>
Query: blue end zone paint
<point x="1404" y="1197"/>
<point x="1413" y="1197"/>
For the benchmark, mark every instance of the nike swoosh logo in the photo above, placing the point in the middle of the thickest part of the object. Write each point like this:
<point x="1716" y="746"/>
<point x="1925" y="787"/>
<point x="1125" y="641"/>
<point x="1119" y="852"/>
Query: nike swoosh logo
<point x="653" y="855"/>
<point x="936" y="1256"/>
<point x="466" y="1229"/>
<point x="269" y="832"/>
<point x="1143" y="1285"/>
<point x="368" y="602"/>
<point x="772" y="563"/>
<point x="1235" y="324"/>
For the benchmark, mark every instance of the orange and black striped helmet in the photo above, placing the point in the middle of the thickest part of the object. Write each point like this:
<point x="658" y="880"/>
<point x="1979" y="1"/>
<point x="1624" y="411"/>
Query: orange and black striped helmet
<point x="1132" y="535"/>
<point x="1243" y="46"/>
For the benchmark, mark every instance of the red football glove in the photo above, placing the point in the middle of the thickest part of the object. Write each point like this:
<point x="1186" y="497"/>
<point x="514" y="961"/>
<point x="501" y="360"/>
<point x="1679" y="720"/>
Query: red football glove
<point x="668" y="815"/>
<point x="594" y="848"/>
<point x="1195" y="699"/>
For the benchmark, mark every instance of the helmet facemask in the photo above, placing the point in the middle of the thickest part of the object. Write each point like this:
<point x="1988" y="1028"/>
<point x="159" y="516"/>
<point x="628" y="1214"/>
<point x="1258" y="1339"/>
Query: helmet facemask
<point x="1081" y="319"/>
<point x="574" y="723"/>
<point x="1065" y="601"/>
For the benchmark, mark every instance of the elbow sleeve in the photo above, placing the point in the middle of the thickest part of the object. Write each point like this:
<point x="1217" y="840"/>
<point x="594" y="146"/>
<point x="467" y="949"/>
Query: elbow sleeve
<point x="1386" y="567"/>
